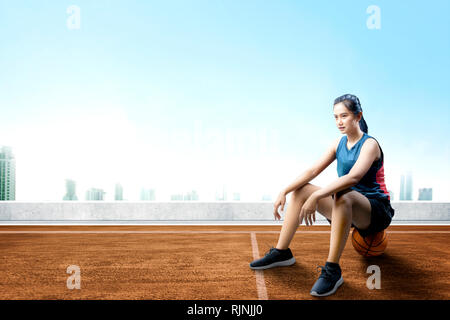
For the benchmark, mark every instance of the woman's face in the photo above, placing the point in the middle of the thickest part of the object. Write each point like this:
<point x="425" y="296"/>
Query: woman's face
<point x="345" y="119"/>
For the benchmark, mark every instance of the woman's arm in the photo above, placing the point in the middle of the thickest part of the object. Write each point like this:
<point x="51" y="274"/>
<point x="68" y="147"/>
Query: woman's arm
<point x="315" y="170"/>
<point x="303" y="179"/>
<point x="368" y="154"/>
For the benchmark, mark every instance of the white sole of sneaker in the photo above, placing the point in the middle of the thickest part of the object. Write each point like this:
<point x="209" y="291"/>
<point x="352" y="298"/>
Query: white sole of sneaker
<point x="284" y="263"/>
<point x="336" y="286"/>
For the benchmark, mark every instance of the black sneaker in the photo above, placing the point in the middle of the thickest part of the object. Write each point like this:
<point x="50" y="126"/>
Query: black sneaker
<point x="274" y="258"/>
<point x="329" y="280"/>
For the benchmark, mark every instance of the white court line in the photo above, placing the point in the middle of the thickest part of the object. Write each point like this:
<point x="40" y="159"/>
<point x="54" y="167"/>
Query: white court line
<point x="186" y="231"/>
<point x="260" y="283"/>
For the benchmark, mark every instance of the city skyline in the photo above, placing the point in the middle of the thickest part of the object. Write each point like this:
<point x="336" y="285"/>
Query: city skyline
<point x="149" y="194"/>
<point x="406" y="186"/>
<point x="198" y="95"/>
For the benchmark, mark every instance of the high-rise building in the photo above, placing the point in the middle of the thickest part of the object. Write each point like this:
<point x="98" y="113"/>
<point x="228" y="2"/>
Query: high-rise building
<point x="406" y="186"/>
<point x="409" y="186"/>
<point x="118" y="195"/>
<point x="148" y="194"/>
<point x="95" y="194"/>
<point x="70" y="190"/>
<point x="221" y="195"/>
<point x="176" y="197"/>
<point x="236" y="196"/>
<point x="266" y="197"/>
<point x="7" y="174"/>
<point x="426" y="194"/>
<point x="402" y="187"/>
<point x="191" y="196"/>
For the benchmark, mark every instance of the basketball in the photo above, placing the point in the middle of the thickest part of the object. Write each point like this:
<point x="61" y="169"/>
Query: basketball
<point x="371" y="245"/>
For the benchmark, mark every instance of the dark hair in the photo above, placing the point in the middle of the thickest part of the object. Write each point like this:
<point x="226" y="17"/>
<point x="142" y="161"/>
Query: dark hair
<point x="352" y="103"/>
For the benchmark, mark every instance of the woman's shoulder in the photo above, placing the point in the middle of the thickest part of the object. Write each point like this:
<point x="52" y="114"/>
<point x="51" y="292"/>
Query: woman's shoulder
<point x="338" y="142"/>
<point x="371" y="142"/>
<point x="371" y="139"/>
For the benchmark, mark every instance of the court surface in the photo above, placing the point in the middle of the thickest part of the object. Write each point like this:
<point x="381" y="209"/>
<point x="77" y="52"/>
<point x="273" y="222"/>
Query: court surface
<point x="211" y="262"/>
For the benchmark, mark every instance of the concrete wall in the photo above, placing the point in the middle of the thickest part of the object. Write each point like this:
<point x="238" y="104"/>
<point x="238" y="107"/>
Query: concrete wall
<point x="184" y="211"/>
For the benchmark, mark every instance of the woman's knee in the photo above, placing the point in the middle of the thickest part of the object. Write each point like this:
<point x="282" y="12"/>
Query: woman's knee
<point x="343" y="207"/>
<point x="343" y="199"/>
<point x="303" y="193"/>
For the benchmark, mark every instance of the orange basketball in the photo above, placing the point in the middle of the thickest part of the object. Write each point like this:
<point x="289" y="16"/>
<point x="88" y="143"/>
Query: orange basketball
<point x="371" y="245"/>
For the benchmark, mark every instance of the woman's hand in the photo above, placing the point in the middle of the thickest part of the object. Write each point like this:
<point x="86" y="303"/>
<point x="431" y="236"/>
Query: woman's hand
<point x="281" y="200"/>
<point x="308" y="211"/>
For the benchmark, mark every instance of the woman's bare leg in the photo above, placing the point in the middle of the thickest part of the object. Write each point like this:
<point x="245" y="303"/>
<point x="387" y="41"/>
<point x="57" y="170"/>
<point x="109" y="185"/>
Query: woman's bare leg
<point x="291" y="220"/>
<point x="347" y="208"/>
<point x="341" y="221"/>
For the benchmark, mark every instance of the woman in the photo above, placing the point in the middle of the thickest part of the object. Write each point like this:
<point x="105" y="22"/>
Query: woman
<point x="358" y="198"/>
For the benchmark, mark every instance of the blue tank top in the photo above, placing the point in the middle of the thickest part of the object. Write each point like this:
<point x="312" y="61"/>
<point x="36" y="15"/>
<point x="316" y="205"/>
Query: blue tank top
<point x="372" y="185"/>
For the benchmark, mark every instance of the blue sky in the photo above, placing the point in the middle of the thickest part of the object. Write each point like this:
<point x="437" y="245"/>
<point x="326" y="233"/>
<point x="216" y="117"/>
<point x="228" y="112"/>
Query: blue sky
<point x="150" y="90"/>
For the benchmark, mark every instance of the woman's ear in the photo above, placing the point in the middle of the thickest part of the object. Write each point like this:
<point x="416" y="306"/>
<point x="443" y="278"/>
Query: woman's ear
<point x="359" y="116"/>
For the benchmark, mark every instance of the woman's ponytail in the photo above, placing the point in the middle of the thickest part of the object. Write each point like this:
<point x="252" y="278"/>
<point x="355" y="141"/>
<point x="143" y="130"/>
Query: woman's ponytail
<point x="363" y="125"/>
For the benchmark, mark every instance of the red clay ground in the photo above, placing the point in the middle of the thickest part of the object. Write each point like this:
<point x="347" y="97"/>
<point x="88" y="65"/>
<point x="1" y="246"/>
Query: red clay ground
<point x="210" y="262"/>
